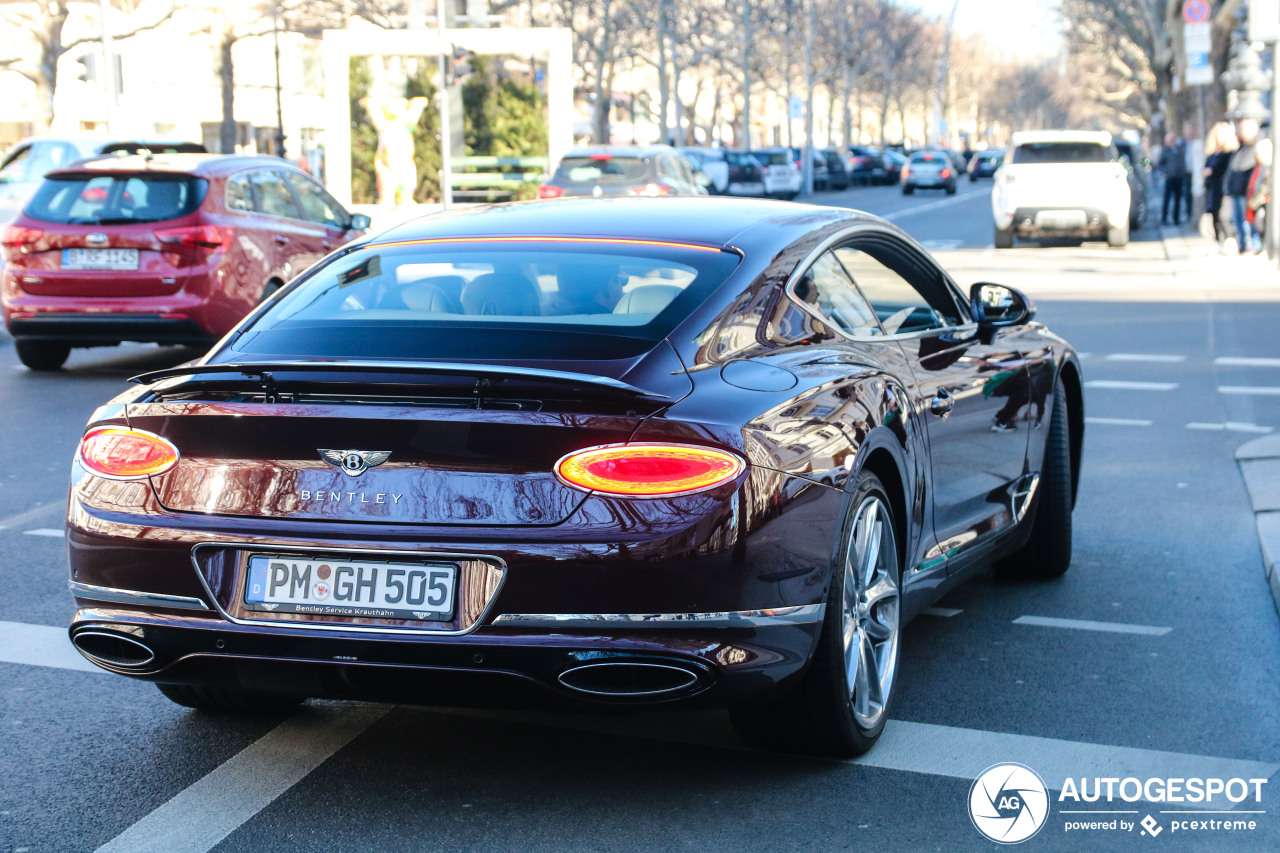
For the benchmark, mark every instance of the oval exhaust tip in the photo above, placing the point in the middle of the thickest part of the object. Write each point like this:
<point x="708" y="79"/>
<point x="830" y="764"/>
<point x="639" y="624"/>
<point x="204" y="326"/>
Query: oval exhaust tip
<point x="113" y="650"/>
<point x="629" y="679"/>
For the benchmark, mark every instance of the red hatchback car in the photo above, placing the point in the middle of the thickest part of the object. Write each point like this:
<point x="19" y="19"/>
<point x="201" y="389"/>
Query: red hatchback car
<point x="171" y="249"/>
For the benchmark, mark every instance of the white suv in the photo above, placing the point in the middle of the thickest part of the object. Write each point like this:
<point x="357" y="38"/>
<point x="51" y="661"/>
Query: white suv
<point x="1061" y="183"/>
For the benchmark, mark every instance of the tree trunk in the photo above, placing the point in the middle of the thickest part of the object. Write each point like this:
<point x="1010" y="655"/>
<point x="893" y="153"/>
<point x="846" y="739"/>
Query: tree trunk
<point x="603" y="53"/>
<point x="745" y="141"/>
<point x="227" y="135"/>
<point x="664" y="91"/>
<point x="678" y="135"/>
<point x="848" y="118"/>
<point x="50" y="52"/>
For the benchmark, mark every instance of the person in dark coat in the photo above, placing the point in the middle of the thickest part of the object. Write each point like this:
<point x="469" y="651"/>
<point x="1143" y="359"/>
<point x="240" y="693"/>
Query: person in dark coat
<point x="1236" y="184"/>
<point x="1173" y="165"/>
<point x="1219" y="147"/>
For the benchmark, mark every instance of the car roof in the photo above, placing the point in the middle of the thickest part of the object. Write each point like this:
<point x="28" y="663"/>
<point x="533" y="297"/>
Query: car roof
<point x="1097" y="137"/>
<point x="704" y="220"/>
<point x="193" y="164"/>
<point x="620" y="150"/>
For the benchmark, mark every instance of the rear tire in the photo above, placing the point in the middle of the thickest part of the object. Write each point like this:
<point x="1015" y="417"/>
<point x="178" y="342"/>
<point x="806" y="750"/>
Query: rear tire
<point x="907" y="189"/>
<point x="951" y="189"/>
<point x="840" y="705"/>
<point x="1004" y="238"/>
<point x="1047" y="553"/>
<point x="42" y="355"/>
<point x="220" y="700"/>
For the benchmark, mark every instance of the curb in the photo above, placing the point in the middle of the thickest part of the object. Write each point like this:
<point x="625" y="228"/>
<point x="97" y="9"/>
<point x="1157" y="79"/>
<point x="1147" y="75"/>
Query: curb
<point x="1259" y="462"/>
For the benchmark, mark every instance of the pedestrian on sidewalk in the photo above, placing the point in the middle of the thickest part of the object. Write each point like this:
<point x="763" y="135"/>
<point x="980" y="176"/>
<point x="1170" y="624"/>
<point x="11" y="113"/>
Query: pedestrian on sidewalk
<point x="1260" y="193"/>
<point x="1219" y="147"/>
<point x="1173" y="165"/>
<point x="1236" y="184"/>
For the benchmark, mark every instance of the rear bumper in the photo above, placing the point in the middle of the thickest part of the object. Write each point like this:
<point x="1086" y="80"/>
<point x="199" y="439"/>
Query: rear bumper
<point x="1039" y="222"/>
<point x="109" y="329"/>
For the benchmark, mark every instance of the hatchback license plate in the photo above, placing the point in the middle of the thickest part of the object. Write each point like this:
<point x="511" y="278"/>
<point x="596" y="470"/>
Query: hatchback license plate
<point x="328" y="587"/>
<point x="99" y="259"/>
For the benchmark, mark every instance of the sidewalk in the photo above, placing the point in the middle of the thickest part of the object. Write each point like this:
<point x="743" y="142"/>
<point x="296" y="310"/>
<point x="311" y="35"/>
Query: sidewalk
<point x="1259" y="460"/>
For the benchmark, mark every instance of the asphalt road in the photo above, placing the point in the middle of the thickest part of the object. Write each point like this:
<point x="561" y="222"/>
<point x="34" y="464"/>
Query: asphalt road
<point x="1157" y="655"/>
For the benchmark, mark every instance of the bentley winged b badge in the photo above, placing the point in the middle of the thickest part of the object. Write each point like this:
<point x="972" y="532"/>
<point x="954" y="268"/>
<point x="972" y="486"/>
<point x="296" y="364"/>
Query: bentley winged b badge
<point x="354" y="462"/>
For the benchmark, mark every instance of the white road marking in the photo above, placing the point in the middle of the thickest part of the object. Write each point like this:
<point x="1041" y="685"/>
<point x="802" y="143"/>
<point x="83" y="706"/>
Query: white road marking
<point x="1252" y="390"/>
<point x="1155" y="359"/>
<point x="200" y="817"/>
<point x="924" y="208"/>
<point x="927" y="748"/>
<point x="1237" y="361"/>
<point x="948" y="612"/>
<point x="34" y="514"/>
<point x="1086" y="625"/>
<point x="1130" y="386"/>
<point x="1234" y="426"/>
<point x="40" y="645"/>
<point x="1119" y="422"/>
<point x="45" y="531"/>
<point x="965" y="753"/>
<point x="941" y="245"/>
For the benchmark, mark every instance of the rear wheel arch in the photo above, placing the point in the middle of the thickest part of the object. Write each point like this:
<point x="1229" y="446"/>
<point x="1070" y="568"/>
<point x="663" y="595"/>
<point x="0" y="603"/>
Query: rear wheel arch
<point x="882" y="463"/>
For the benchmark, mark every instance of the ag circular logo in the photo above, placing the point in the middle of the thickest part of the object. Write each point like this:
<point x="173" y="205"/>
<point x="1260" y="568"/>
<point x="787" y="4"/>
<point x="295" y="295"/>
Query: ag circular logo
<point x="1008" y="803"/>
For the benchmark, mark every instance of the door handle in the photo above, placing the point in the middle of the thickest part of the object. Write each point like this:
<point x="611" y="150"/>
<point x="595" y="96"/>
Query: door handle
<point x="942" y="404"/>
<point x="281" y="239"/>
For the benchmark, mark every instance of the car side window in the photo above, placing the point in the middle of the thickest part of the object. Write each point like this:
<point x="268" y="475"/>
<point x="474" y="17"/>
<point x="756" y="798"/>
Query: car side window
<point x="827" y="289"/>
<point x="317" y="205"/>
<point x="239" y="195"/>
<point x="901" y="306"/>
<point x="273" y="195"/>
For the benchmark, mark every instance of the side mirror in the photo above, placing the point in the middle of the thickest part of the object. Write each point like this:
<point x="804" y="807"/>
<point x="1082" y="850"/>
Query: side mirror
<point x="359" y="222"/>
<point x="996" y="306"/>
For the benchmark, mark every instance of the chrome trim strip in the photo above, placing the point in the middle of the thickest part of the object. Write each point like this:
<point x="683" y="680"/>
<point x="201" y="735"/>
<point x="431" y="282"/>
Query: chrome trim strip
<point x="360" y="629"/>
<point x="129" y="596"/>
<point x="803" y="614"/>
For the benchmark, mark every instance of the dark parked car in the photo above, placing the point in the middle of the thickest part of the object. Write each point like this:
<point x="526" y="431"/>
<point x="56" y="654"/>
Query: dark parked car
<point x="169" y="249"/>
<point x="983" y="164"/>
<point x="866" y="163"/>
<point x="1136" y="166"/>
<point x="619" y="170"/>
<point x="893" y="163"/>
<point x="821" y="175"/>
<point x="929" y="170"/>
<point x="746" y="175"/>
<point x="838" y="177"/>
<point x="604" y="454"/>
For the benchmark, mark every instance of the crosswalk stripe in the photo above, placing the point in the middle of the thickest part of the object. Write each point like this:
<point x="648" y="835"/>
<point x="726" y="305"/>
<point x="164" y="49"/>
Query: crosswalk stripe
<point x="1087" y="625"/>
<point x="1233" y="426"/>
<point x="1250" y="390"/>
<point x="40" y="645"/>
<point x="1130" y="386"/>
<point x="1119" y="422"/>
<point x="1240" y="361"/>
<point x="44" y="531"/>
<point x="1154" y="359"/>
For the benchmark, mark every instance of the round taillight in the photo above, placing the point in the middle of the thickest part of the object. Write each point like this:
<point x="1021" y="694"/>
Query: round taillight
<point x="120" y="453"/>
<point x="648" y="470"/>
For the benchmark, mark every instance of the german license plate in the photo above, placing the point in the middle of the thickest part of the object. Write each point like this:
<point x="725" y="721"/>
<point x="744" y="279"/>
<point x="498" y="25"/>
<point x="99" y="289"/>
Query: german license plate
<point x="1061" y="219"/>
<point x="99" y="259"/>
<point x="336" y="587"/>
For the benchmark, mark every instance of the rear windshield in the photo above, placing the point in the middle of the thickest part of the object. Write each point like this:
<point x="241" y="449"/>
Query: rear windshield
<point x="772" y="158"/>
<point x="1061" y="152"/>
<point x="941" y="159"/>
<point x="500" y="299"/>
<point x="603" y="169"/>
<point x="115" y="199"/>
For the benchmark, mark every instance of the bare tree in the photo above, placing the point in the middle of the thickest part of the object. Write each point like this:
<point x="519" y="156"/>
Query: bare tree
<point x="43" y="24"/>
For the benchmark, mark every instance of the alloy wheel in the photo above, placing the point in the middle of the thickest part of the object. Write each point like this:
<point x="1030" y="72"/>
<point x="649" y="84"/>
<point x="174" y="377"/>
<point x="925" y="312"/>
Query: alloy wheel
<point x="871" y="625"/>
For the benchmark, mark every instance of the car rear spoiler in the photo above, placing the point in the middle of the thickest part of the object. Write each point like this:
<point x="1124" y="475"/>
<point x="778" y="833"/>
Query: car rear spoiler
<point x="264" y="373"/>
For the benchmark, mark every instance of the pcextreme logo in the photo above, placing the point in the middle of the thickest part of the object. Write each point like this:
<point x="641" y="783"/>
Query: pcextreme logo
<point x="1008" y="803"/>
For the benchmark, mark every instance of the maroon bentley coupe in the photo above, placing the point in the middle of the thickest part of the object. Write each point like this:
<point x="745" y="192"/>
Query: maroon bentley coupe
<point x="599" y="452"/>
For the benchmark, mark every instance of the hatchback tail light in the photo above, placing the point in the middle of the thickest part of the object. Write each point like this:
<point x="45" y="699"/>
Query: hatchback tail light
<point x="120" y="453"/>
<point x="648" y="470"/>
<point x="549" y="191"/>
<point x="652" y="189"/>
<point x="191" y="244"/>
<point x="19" y="240"/>
<point x="946" y="173"/>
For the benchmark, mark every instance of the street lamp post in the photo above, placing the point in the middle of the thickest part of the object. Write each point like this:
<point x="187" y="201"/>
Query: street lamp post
<point x="275" y="33"/>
